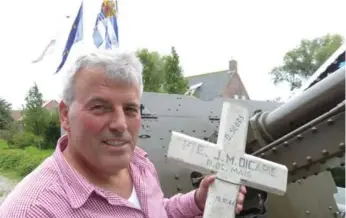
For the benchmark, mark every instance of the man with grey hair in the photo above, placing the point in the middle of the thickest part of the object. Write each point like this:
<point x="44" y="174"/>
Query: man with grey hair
<point x="97" y="170"/>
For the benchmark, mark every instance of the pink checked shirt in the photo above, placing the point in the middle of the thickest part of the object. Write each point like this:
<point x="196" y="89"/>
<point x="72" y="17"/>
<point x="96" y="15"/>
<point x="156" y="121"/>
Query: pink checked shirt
<point x="54" y="189"/>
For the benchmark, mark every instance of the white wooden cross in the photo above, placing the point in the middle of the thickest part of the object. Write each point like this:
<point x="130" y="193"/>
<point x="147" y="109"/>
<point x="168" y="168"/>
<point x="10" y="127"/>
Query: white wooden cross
<point x="229" y="161"/>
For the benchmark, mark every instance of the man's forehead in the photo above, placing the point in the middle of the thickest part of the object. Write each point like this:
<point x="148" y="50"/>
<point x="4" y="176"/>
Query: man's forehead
<point x="102" y="99"/>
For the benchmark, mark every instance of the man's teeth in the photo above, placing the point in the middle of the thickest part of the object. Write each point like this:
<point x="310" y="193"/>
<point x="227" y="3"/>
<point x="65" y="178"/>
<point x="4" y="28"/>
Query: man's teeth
<point x="114" y="143"/>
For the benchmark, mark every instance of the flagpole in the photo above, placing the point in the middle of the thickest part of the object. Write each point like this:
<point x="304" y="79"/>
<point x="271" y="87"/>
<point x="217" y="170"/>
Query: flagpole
<point x="55" y="39"/>
<point x="116" y="7"/>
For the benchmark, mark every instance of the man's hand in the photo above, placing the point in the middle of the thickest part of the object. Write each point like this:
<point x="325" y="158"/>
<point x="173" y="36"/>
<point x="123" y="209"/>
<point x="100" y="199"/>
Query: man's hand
<point x="202" y="191"/>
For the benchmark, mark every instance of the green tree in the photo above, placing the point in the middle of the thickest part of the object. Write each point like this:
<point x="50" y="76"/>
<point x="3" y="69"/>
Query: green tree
<point x="52" y="132"/>
<point x="301" y="62"/>
<point x="34" y="115"/>
<point x="175" y="82"/>
<point x="5" y="114"/>
<point x="153" y="74"/>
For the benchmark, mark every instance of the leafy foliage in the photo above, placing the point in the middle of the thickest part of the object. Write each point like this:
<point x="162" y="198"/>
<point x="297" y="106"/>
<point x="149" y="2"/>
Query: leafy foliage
<point x="52" y="131"/>
<point x="175" y="81"/>
<point x="303" y="61"/>
<point x="35" y="117"/>
<point x="5" y="114"/>
<point x="39" y="127"/>
<point x="21" y="161"/>
<point x="153" y="74"/>
<point x="162" y="73"/>
<point x="23" y="139"/>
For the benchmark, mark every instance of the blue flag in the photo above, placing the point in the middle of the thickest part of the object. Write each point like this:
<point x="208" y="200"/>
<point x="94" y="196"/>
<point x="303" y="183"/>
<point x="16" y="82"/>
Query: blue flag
<point x="76" y="35"/>
<point x="106" y="26"/>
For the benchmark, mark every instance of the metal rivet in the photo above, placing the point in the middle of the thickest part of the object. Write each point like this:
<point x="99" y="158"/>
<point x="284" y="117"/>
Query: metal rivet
<point x="330" y="121"/>
<point x="342" y="164"/>
<point x="176" y="177"/>
<point x="182" y="131"/>
<point x="324" y="152"/>
<point x="144" y="136"/>
<point x="308" y="158"/>
<point x="307" y="212"/>
<point x="178" y="188"/>
<point x="165" y="155"/>
<point x="262" y="154"/>
<point x="161" y="138"/>
<point x="299" y="136"/>
<point x="342" y="145"/>
<point x="313" y="129"/>
<point x="285" y="143"/>
<point x="294" y="164"/>
<point x="274" y="149"/>
<point x="330" y="207"/>
<point x="193" y="130"/>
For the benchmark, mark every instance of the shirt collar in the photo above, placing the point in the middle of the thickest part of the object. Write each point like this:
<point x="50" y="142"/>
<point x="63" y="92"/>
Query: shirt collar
<point x="78" y="189"/>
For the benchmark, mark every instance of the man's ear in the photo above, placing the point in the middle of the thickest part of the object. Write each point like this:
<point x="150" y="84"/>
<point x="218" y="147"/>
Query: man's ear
<point x="63" y="115"/>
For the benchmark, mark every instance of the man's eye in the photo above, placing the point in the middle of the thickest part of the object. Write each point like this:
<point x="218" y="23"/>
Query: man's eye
<point x="131" y="109"/>
<point x="97" y="107"/>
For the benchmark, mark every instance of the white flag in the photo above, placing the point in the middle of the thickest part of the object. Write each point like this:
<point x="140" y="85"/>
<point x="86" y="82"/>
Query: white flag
<point x="47" y="50"/>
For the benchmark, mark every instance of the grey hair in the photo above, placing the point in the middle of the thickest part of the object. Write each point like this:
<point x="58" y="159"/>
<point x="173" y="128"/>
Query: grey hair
<point x="121" y="66"/>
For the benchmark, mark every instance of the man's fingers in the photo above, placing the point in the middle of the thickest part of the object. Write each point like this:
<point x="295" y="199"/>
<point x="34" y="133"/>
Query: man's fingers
<point x="207" y="181"/>
<point x="240" y="198"/>
<point x="239" y="208"/>
<point x="243" y="189"/>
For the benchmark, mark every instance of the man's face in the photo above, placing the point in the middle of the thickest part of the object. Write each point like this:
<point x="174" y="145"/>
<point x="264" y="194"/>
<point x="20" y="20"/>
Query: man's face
<point x="103" y="121"/>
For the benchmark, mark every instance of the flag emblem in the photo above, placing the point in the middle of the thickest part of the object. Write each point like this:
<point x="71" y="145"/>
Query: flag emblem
<point x="106" y="27"/>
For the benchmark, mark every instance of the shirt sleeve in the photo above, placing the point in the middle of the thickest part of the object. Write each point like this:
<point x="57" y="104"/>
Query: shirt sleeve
<point x="182" y="206"/>
<point x="179" y="205"/>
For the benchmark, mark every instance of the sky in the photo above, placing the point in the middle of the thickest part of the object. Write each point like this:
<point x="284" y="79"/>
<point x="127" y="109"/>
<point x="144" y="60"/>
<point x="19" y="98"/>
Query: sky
<point x="206" y="34"/>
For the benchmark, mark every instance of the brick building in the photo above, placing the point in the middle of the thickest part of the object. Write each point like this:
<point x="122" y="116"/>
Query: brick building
<point x="225" y="83"/>
<point x="50" y="105"/>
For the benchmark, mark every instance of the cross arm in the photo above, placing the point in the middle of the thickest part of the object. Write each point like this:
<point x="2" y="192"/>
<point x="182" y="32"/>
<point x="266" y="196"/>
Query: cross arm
<point x="193" y="153"/>
<point x="235" y="168"/>
<point x="264" y="175"/>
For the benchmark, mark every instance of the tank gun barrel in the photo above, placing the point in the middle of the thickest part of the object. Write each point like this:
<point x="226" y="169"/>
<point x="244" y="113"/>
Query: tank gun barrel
<point x="315" y="101"/>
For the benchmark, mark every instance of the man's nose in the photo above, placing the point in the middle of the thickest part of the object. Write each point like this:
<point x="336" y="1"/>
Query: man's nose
<point x="118" y="122"/>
